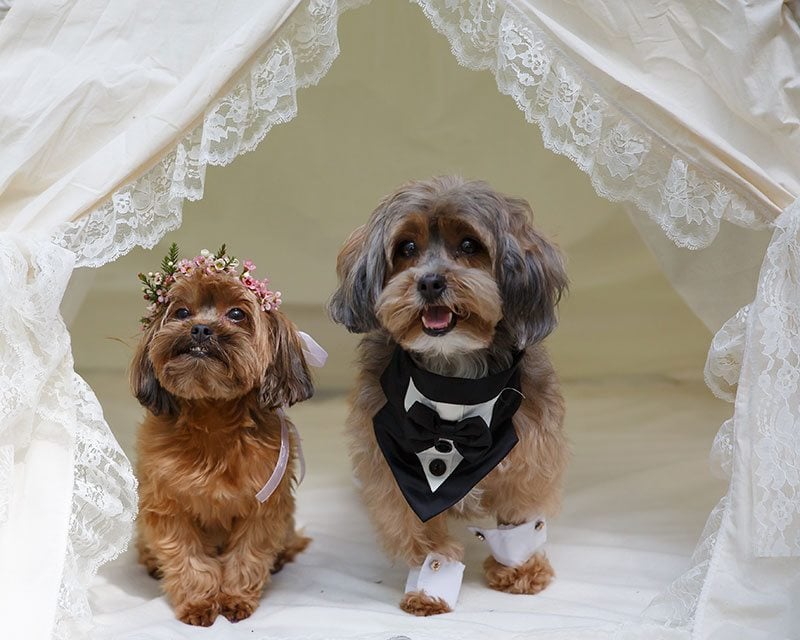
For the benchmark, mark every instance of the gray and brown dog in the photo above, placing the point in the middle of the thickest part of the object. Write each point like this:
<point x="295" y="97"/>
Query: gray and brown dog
<point x="456" y="275"/>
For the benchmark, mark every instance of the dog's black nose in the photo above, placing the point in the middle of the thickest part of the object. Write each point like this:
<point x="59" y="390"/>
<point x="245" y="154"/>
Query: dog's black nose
<point x="431" y="285"/>
<point x="201" y="332"/>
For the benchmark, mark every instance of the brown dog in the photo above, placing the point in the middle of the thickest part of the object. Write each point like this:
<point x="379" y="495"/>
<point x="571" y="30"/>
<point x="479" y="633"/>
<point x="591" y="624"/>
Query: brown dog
<point x="449" y="280"/>
<point x="212" y="368"/>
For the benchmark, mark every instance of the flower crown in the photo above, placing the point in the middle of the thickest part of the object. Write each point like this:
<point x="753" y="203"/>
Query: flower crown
<point x="156" y="285"/>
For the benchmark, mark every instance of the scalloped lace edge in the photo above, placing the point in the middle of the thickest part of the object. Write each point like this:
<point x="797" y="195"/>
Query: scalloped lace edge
<point x="142" y="212"/>
<point x="624" y="160"/>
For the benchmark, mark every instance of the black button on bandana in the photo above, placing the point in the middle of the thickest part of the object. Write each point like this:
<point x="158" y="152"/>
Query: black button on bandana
<point x="437" y="467"/>
<point x="443" y="446"/>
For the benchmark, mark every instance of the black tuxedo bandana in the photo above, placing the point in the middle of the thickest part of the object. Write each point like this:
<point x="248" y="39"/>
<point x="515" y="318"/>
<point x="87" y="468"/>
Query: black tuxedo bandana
<point x="442" y="435"/>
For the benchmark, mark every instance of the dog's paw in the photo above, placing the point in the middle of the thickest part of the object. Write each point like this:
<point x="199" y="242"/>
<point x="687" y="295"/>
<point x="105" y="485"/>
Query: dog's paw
<point x="421" y="604"/>
<point x="155" y="572"/>
<point x="290" y="551"/>
<point x="530" y="578"/>
<point x="197" y="613"/>
<point x="150" y="562"/>
<point x="236" y="608"/>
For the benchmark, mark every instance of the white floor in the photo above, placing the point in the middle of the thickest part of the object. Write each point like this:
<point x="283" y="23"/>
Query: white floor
<point x="638" y="493"/>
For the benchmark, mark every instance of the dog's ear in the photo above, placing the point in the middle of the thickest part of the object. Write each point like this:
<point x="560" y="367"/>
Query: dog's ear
<point x="286" y="379"/>
<point x="531" y="275"/>
<point x="144" y="383"/>
<point x="361" y="269"/>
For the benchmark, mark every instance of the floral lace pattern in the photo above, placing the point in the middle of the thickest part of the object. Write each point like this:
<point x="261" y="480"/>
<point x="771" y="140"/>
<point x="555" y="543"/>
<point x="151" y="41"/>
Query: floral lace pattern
<point x="676" y="607"/>
<point x="722" y="371"/>
<point x="721" y="457"/>
<point x="103" y="508"/>
<point x="724" y="362"/>
<point x="625" y="161"/>
<point x="773" y="395"/>
<point x="142" y="212"/>
<point x="43" y="398"/>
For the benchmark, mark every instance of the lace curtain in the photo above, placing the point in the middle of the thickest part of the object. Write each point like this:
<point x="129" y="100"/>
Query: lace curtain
<point x="44" y="401"/>
<point x="625" y="160"/>
<point x="140" y="213"/>
<point x="767" y="333"/>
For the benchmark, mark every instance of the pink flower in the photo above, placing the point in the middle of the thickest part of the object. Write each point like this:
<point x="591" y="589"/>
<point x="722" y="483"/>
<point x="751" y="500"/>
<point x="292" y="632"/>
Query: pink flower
<point x="157" y="290"/>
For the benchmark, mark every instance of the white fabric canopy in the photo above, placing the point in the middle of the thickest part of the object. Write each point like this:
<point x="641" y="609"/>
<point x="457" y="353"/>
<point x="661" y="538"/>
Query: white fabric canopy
<point x="110" y="113"/>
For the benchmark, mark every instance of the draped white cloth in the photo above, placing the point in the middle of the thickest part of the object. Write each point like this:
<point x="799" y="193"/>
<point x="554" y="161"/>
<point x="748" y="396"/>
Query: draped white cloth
<point x="111" y="111"/>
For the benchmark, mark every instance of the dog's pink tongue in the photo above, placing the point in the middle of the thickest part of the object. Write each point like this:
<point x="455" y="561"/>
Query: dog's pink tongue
<point x="437" y="317"/>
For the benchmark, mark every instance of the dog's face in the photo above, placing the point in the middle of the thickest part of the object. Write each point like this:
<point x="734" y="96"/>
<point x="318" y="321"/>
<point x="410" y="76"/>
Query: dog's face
<point x="213" y="341"/>
<point x="442" y="265"/>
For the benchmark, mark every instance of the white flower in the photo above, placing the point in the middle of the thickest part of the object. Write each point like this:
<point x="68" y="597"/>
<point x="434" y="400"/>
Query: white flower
<point x="122" y="202"/>
<point x="786" y="380"/>
<point x="688" y="200"/>
<point x="783" y="511"/>
<point x="775" y="339"/>
<point x="589" y="117"/>
<point x="622" y="150"/>
<point x="564" y="97"/>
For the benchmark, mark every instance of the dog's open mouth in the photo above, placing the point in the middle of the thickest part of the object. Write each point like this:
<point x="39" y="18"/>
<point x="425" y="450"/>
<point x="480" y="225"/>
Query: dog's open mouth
<point x="200" y="351"/>
<point x="438" y="320"/>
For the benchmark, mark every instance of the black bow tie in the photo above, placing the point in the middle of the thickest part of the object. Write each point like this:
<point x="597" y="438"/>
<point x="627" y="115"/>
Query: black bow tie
<point x="424" y="427"/>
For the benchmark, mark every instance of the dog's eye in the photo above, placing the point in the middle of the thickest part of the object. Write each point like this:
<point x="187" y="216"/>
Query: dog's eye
<point x="469" y="246"/>
<point x="182" y="313"/>
<point x="236" y="314"/>
<point x="407" y="249"/>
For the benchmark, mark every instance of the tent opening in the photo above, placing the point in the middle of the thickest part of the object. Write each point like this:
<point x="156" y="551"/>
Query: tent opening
<point x="629" y="352"/>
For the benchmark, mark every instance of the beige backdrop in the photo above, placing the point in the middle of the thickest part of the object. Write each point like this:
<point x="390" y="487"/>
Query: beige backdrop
<point x="385" y="113"/>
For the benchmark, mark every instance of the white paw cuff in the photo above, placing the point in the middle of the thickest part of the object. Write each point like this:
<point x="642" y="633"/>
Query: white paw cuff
<point x="513" y="545"/>
<point x="437" y="578"/>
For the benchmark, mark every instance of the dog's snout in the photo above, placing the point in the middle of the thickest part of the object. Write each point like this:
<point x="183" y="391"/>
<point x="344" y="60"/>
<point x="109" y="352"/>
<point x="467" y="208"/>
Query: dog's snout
<point x="431" y="285"/>
<point x="201" y="332"/>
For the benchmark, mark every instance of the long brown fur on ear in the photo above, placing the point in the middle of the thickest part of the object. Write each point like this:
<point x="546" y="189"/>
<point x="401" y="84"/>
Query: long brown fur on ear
<point x="532" y="277"/>
<point x="286" y="379"/>
<point x="350" y="305"/>
<point x="145" y="384"/>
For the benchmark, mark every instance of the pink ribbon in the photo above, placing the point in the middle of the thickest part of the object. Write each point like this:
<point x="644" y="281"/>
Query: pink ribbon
<point x="315" y="356"/>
